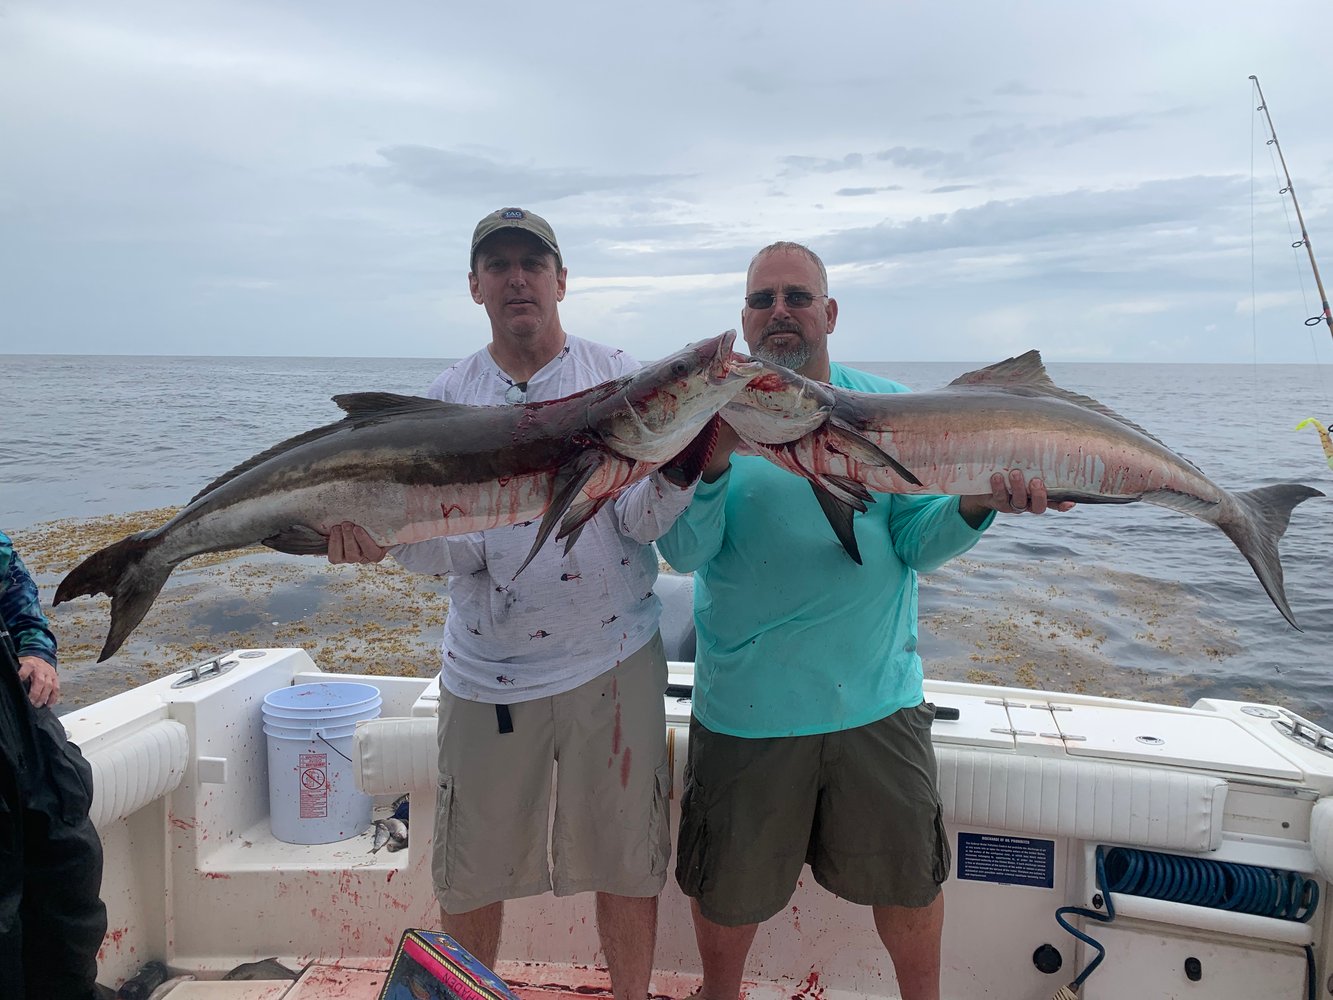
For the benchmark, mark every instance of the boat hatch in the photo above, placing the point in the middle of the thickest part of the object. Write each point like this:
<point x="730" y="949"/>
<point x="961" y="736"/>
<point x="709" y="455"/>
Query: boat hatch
<point x="980" y="722"/>
<point x="1206" y="742"/>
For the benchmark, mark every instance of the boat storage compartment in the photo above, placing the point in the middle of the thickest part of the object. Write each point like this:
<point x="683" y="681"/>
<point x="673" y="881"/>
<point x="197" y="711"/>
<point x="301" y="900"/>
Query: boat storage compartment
<point x="1194" y="925"/>
<point x="1156" y="960"/>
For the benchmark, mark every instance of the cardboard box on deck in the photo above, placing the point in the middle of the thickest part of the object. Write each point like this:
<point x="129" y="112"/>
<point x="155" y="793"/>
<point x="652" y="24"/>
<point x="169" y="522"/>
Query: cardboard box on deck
<point x="430" y="965"/>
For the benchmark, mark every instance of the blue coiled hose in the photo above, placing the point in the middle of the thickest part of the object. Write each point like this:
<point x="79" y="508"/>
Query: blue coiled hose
<point x="1219" y="885"/>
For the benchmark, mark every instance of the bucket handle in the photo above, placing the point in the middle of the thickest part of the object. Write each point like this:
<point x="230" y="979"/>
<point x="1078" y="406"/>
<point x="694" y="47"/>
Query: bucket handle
<point x="320" y="736"/>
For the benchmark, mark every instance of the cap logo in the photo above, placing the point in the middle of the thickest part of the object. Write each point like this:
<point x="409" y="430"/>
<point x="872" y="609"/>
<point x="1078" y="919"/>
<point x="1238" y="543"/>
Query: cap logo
<point x="513" y="213"/>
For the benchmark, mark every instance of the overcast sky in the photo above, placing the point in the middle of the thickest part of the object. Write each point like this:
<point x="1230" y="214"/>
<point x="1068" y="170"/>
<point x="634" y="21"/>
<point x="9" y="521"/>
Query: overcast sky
<point x="981" y="177"/>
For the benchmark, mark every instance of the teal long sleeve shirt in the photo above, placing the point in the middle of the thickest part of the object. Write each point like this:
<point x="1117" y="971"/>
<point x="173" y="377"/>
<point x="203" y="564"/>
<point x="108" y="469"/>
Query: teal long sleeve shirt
<point x="794" y="638"/>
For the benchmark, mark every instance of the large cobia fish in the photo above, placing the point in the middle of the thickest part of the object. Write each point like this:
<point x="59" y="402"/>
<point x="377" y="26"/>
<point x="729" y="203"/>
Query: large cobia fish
<point x="407" y="468"/>
<point x="1009" y="416"/>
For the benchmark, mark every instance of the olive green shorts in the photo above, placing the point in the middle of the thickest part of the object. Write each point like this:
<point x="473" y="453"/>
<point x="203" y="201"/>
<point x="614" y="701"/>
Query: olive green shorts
<point x="610" y="831"/>
<point x="860" y="806"/>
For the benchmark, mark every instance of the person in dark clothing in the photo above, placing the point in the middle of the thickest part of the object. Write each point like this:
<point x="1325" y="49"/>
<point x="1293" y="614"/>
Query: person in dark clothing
<point x="52" y="919"/>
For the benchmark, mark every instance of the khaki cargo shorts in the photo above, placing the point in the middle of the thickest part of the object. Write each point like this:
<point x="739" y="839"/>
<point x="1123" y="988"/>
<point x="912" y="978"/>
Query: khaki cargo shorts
<point x="606" y="742"/>
<point x="859" y="806"/>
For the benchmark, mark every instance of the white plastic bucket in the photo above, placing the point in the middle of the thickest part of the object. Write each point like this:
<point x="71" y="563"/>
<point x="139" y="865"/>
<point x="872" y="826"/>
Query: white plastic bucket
<point x="312" y="793"/>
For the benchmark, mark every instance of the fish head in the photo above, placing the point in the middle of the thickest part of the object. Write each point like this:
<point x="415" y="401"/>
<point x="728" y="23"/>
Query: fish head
<point x="667" y="403"/>
<point x="778" y="406"/>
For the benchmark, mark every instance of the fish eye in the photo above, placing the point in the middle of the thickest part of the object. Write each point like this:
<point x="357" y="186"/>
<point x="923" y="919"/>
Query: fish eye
<point x="680" y="368"/>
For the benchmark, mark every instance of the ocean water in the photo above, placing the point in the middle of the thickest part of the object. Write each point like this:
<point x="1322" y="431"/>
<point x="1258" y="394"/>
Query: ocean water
<point x="1162" y="597"/>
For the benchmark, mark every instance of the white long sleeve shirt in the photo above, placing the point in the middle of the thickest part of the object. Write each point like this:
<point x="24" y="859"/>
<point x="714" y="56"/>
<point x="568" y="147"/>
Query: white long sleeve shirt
<point x="565" y="619"/>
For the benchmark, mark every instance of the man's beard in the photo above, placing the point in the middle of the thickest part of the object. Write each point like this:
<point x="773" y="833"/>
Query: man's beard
<point x="789" y="357"/>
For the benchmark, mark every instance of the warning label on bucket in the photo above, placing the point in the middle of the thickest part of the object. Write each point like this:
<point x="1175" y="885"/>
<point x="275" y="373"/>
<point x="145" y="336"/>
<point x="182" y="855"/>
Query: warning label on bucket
<point x="314" y="770"/>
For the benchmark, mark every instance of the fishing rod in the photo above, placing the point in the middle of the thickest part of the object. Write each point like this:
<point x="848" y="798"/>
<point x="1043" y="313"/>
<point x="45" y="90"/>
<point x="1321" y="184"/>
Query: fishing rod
<point x="1325" y="437"/>
<point x="1290" y="189"/>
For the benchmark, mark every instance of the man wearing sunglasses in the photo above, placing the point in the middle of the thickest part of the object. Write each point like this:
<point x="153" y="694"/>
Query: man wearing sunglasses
<point x="810" y="736"/>
<point x="563" y="661"/>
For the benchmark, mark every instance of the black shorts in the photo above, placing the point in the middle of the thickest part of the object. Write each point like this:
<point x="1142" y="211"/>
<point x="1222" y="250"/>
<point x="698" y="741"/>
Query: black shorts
<point x="860" y="806"/>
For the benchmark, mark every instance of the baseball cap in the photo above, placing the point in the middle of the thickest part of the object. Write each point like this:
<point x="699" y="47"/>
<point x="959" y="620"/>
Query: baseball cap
<point x="515" y="218"/>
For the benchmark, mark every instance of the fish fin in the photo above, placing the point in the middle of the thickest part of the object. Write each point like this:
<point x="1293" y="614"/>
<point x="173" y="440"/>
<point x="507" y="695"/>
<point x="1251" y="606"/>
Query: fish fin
<point x="130" y="572"/>
<point x="848" y="491"/>
<point x="570" y="538"/>
<point x="863" y="450"/>
<point x="264" y="456"/>
<point x="1186" y="503"/>
<point x="840" y="518"/>
<point x="1260" y="520"/>
<point x="1075" y="496"/>
<point x="579" y="514"/>
<point x="361" y="408"/>
<point x="1027" y="373"/>
<point x="568" y="482"/>
<point x="298" y="540"/>
<point x="1026" y="369"/>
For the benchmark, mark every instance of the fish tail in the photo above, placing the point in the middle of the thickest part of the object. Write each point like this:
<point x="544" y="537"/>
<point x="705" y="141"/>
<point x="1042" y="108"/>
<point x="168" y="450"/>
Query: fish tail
<point x="131" y="572"/>
<point x="1258" y="520"/>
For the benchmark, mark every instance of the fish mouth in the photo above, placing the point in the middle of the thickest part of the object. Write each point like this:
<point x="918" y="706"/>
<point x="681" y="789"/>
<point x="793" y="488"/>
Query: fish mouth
<point x="685" y="468"/>
<point x="727" y="366"/>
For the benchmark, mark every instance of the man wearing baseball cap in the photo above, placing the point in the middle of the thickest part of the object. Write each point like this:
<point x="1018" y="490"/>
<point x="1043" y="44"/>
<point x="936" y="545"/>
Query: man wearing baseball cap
<point x="564" y="661"/>
<point x="520" y="221"/>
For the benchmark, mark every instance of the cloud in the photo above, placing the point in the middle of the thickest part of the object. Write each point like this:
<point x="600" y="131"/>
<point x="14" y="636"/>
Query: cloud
<point x="858" y="192"/>
<point x="238" y="176"/>
<point x="916" y="158"/>
<point x="169" y="46"/>
<point x="1269" y="301"/>
<point x="796" y="166"/>
<point x="1000" y="140"/>
<point x="1015" y="88"/>
<point x="450" y="174"/>
<point x="1080" y="215"/>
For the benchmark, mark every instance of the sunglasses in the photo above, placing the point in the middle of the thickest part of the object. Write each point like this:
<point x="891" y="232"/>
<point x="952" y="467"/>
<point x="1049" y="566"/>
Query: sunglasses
<point x="793" y="300"/>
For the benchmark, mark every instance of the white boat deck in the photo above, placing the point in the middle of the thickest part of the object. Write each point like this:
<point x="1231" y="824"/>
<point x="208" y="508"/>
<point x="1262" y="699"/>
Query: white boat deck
<point x="528" y="980"/>
<point x="1032" y="784"/>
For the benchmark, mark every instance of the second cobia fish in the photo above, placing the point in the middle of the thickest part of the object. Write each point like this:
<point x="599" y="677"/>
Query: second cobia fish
<point x="1009" y="416"/>
<point x="407" y="469"/>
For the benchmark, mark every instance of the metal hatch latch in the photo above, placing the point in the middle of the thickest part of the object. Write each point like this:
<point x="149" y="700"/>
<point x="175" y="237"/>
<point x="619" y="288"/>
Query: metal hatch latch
<point x="203" y="671"/>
